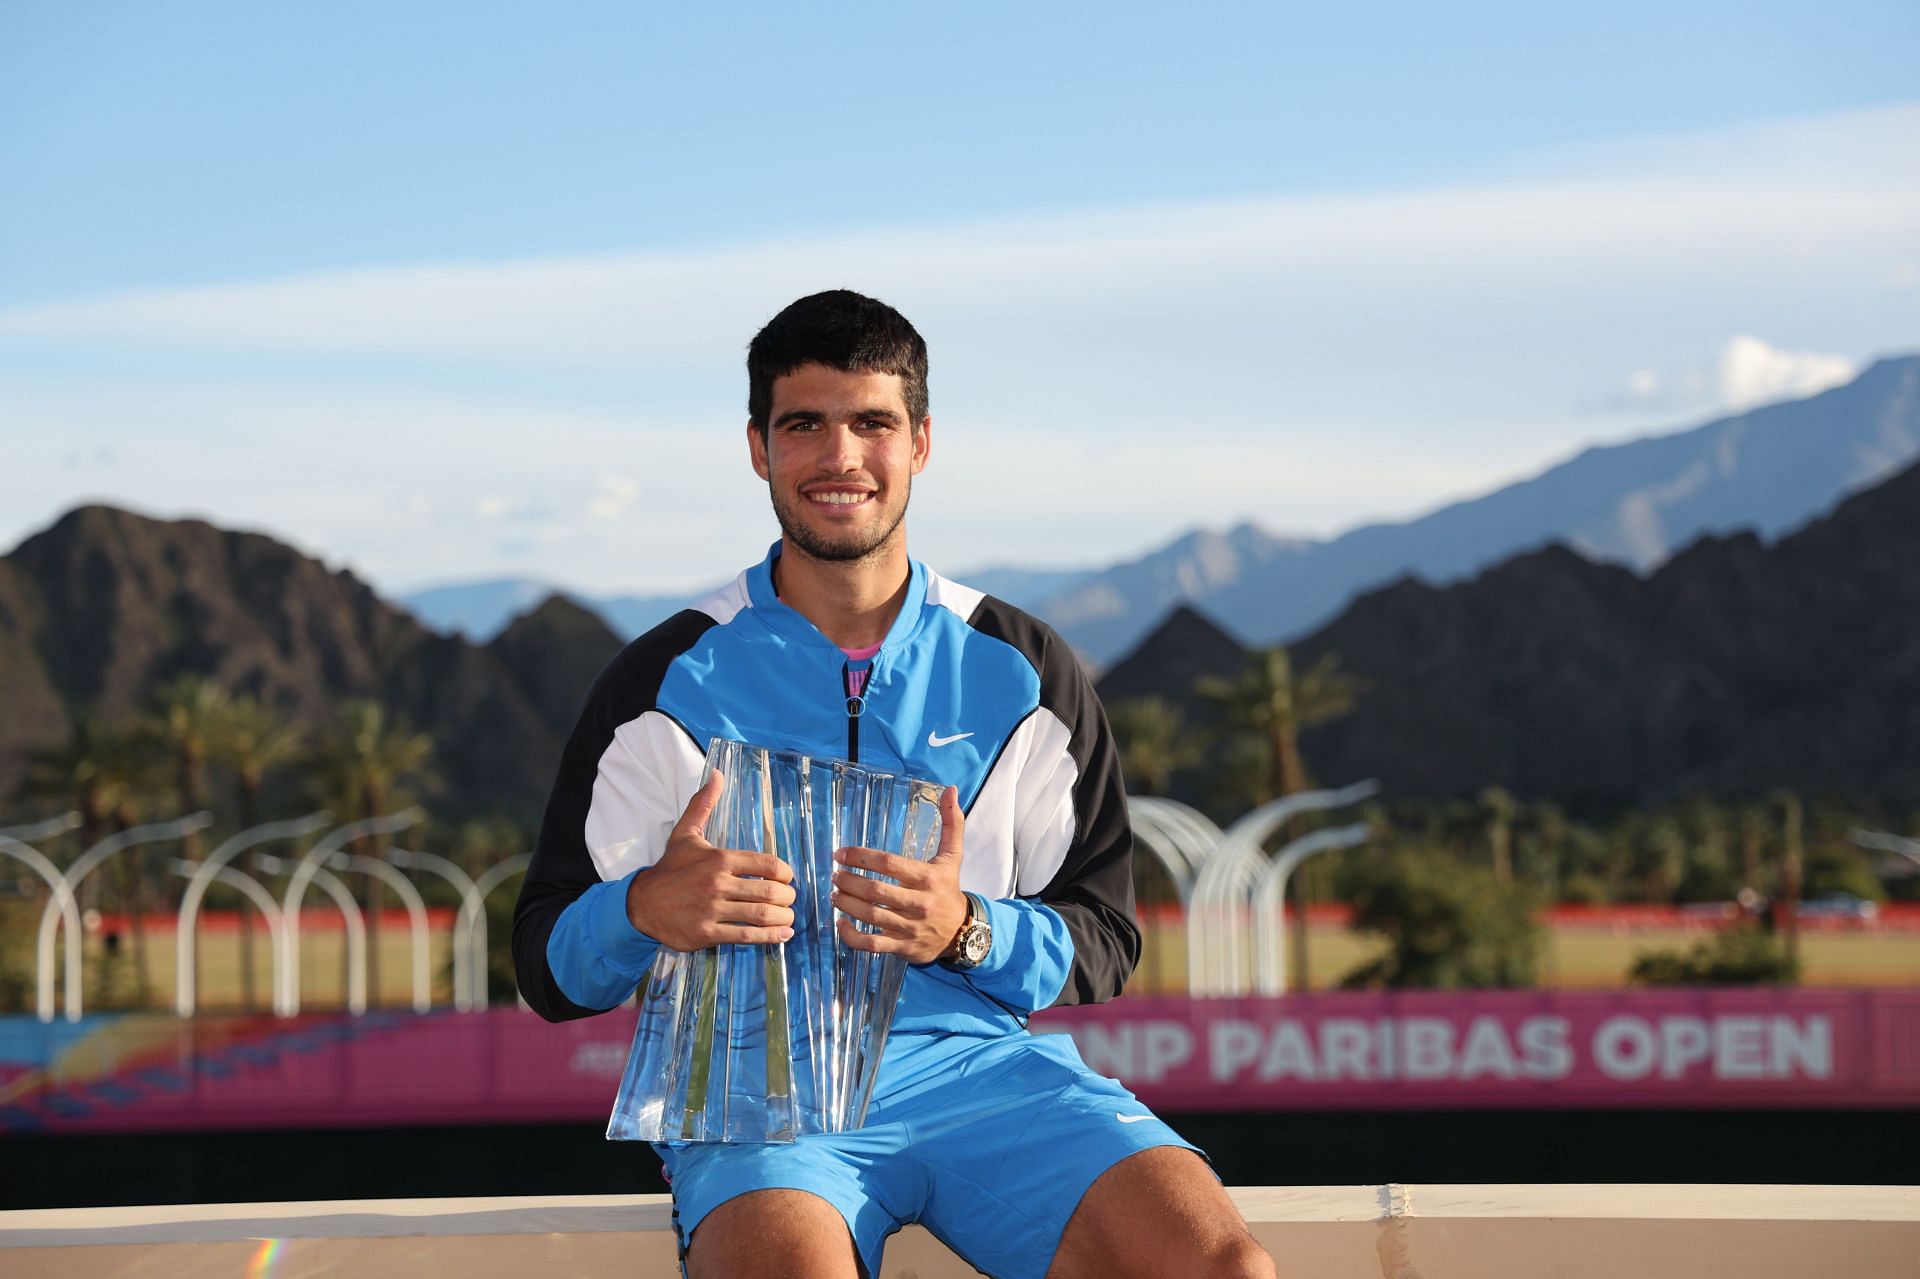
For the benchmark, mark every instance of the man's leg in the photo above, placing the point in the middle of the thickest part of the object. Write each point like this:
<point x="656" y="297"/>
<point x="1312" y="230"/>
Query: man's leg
<point x="1160" y="1212"/>
<point x="788" y="1234"/>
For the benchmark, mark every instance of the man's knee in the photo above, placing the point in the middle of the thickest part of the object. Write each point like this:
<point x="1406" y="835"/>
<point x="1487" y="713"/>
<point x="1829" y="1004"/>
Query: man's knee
<point x="789" y="1233"/>
<point x="1239" y="1257"/>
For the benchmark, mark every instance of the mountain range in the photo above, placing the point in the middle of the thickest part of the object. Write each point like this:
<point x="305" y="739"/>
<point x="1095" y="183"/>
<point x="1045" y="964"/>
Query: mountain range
<point x="480" y="610"/>
<point x="105" y="606"/>
<point x="1769" y="469"/>
<point x="1734" y="669"/>
<point x="1601" y="668"/>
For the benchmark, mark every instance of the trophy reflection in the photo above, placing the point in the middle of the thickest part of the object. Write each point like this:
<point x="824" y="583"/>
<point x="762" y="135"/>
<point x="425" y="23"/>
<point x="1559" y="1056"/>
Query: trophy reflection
<point x="764" y="1043"/>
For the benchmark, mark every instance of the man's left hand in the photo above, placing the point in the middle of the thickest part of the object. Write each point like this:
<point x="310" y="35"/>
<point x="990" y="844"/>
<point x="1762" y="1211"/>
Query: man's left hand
<point x="919" y="916"/>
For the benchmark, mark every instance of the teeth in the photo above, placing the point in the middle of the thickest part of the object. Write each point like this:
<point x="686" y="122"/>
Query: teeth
<point x="838" y="499"/>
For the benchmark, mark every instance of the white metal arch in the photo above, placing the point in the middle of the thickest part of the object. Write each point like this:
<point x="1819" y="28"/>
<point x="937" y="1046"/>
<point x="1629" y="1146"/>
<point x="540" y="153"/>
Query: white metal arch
<point x="63" y="901"/>
<point x="490" y="878"/>
<point x="84" y="865"/>
<point x="356" y="924"/>
<point x="1192" y="829"/>
<point x="463" y="960"/>
<point x="34" y="832"/>
<point x="1220" y="960"/>
<point x="1217" y="919"/>
<point x="1270" y="896"/>
<point x="416" y="917"/>
<point x="253" y="891"/>
<point x="1148" y="833"/>
<point x="201" y="877"/>
<point x="287" y="1002"/>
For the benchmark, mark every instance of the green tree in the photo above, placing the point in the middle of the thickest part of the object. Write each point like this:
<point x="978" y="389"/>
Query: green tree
<point x="367" y="765"/>
<point x="1743" y="955"/>
<point x="1270" y="704"/>
<point x="190" y="714"/>
<point x="253" y="740"/>
<point x="84" y="771"/>
<point x="1154" y="743"/>
<point x="1498" y="808"/>
<point x="1447" y="926"/>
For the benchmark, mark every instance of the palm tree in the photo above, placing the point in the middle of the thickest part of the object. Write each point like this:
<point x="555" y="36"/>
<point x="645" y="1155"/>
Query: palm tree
<point x="1269" y="701"/>
<point x="190" y="714"/>
<point x="1269" y="704"/>
<point x="1154" y="743"/>
<point x="101" y="772"/>
<point x="78" y="773"/>
<point x="253" y="740"/>
<point x="1787" y="908"/>
<point x="1498" y="808"/>
<point x="363" y="767"/>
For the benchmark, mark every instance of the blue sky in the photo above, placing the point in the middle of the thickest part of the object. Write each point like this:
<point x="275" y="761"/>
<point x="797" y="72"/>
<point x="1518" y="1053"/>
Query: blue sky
<point x="451" y="291"/>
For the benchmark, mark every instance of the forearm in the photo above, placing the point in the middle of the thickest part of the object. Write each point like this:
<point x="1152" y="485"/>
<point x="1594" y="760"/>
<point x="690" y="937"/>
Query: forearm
<point x="581" y="957"/>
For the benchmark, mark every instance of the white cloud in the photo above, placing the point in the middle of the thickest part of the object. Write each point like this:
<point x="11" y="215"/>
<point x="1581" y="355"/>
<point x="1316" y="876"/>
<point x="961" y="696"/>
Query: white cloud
<point x="1101" y="380"/>
<point x="612" y="495"/>
<point x="1746" y="372"/>
<point x="1743" y="210"/>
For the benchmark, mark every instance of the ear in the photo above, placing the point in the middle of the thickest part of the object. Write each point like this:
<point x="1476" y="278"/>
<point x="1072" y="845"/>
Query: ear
<point x="922" y="444"/>
<point x="757" y="450"/>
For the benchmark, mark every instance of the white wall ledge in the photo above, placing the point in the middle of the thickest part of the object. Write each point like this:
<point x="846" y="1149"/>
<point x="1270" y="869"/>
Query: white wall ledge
<point x="1332" y="1232"/>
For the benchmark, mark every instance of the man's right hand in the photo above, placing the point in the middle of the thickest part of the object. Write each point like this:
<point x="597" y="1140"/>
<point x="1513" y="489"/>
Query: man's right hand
<point x="697" y="895"/>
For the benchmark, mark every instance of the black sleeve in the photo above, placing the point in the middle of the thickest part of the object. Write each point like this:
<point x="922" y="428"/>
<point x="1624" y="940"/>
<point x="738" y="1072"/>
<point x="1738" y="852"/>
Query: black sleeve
<point x="1093" y="889"/>
<point x="562" y="868"/>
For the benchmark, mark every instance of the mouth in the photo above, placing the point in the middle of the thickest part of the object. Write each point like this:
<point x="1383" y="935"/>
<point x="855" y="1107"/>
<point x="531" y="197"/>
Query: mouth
<point x="838" y="499"/>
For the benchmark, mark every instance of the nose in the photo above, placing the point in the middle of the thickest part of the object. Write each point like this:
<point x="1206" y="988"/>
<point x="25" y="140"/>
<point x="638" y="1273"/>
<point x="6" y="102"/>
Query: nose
<point x="842" y="453"/>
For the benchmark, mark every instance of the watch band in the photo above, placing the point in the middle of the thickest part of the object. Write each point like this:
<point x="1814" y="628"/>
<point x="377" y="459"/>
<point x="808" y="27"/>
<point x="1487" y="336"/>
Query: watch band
<point x="971" y="944"/>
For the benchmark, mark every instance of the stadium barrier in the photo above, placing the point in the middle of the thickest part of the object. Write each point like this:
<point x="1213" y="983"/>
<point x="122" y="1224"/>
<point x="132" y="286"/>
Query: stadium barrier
<point x="1334" y="1232"/>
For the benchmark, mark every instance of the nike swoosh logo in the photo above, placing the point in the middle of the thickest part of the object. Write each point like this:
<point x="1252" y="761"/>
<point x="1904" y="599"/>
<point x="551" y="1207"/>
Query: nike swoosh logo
<point x="1131" y="1119"/>
<point x="934" y="739"/>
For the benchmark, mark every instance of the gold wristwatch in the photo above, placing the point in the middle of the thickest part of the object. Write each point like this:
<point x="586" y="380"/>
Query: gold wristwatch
<point x="975" y="938"/>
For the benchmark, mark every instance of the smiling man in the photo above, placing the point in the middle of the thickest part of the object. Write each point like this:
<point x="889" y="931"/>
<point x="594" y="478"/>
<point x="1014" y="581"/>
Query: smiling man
<point x="1001" y="1142"/>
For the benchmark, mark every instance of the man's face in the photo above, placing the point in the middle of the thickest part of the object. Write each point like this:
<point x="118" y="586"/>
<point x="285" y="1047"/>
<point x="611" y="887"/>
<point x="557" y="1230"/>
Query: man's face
<point x="839" y="458"/>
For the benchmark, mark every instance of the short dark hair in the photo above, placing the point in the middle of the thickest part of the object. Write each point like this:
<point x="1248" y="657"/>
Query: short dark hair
<point x="842" y="330"/>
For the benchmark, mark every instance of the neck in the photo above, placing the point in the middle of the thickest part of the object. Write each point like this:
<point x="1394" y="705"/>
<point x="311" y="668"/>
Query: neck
<point x="851" y="602"/>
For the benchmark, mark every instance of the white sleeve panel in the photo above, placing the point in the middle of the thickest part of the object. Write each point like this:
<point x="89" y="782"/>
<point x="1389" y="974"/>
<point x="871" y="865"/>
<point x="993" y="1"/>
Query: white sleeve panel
<point x="646" y="777"/>
<point x="724" y="603"/>
<point x="951" y="595"/>
<point x="1022" y="822"/>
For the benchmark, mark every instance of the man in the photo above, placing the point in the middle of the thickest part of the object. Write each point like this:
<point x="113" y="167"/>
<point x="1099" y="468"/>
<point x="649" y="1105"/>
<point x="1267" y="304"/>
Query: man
<point x="1000" y="1142"/>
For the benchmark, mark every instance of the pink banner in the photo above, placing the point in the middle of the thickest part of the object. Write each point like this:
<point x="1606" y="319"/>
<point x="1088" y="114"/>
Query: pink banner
<point x="1721" y="1048"/>
<point x="1783" y="1049"/>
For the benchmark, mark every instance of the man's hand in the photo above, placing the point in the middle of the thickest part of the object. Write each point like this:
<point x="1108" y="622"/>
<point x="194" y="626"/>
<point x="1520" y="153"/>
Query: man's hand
<point x="919" y="916"/>
<point x="697" y="896"/>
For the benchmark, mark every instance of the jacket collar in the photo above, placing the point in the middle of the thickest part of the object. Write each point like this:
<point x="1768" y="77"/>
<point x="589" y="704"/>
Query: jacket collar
<point x="794" y="625"/>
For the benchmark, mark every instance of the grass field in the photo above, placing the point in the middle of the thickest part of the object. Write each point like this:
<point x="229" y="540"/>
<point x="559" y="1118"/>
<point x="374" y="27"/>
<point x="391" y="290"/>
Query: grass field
<point x="1573" y="958"/>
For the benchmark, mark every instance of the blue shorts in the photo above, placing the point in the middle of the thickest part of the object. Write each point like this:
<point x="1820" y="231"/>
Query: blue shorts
<point x="988" y="1143"/>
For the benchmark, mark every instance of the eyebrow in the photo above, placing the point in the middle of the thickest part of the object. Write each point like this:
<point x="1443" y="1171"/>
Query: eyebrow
<point x="815" y="415"/>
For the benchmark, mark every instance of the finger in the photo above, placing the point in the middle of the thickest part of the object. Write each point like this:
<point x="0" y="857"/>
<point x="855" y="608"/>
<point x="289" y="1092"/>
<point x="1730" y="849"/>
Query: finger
<point x="952" y="825"/>
<point x="901" y="901"/>
<point x="756" y="915"/>
<point x="694" y="820"/>
<point x="874" y="913"/>
<point x="904" y="869"/>
<point x="741" y="935"/>
<point x="738" y="861"/>
<point x="878" y="943"/>
<point x="737" y="888"/>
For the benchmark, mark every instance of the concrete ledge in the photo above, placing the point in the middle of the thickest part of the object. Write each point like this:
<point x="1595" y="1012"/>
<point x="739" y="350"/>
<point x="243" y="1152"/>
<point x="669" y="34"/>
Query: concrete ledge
<point x="1334" y="1232"/>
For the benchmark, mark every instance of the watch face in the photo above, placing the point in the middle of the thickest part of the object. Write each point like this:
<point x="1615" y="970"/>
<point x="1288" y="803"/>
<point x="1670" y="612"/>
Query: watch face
<point x="975" y="945"/>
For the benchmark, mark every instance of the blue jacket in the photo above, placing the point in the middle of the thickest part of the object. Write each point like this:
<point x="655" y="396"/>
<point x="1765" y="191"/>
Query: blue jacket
<point x="965" y="691"/>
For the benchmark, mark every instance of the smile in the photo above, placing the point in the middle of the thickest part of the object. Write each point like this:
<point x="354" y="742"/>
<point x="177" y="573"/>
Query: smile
<point x="838" y="498"/>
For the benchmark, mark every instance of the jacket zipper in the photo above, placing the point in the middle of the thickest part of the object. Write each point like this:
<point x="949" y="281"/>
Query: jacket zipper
<point x="856" y="707"/>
